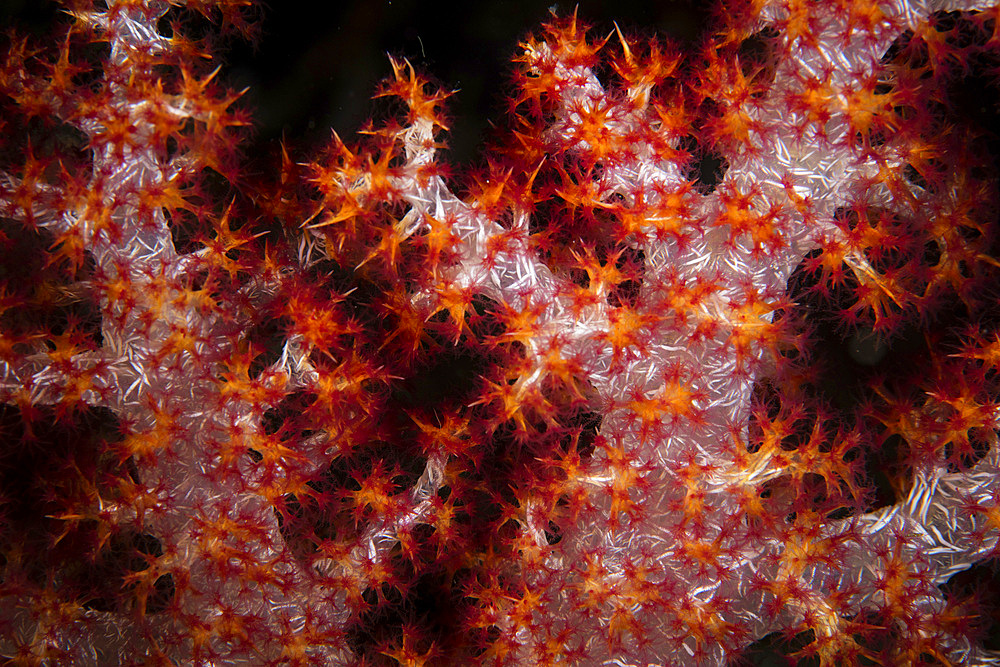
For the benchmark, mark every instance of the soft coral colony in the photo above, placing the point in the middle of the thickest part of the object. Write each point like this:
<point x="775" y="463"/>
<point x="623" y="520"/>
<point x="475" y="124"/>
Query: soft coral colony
<point x="698" y="365"/>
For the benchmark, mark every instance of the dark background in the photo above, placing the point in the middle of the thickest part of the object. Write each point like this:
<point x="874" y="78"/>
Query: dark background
<point x="315" y="70"/>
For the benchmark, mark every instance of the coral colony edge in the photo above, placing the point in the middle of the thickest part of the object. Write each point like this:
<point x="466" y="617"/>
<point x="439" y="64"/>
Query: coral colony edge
<point x="697" y="366"/>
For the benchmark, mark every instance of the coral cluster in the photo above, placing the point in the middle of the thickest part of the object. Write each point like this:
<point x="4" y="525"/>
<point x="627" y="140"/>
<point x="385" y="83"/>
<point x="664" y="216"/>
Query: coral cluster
<point x="697" y="366"/>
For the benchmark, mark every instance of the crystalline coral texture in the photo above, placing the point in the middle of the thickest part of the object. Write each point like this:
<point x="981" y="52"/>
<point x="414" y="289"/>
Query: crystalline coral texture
<point x="630" y="453"/>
